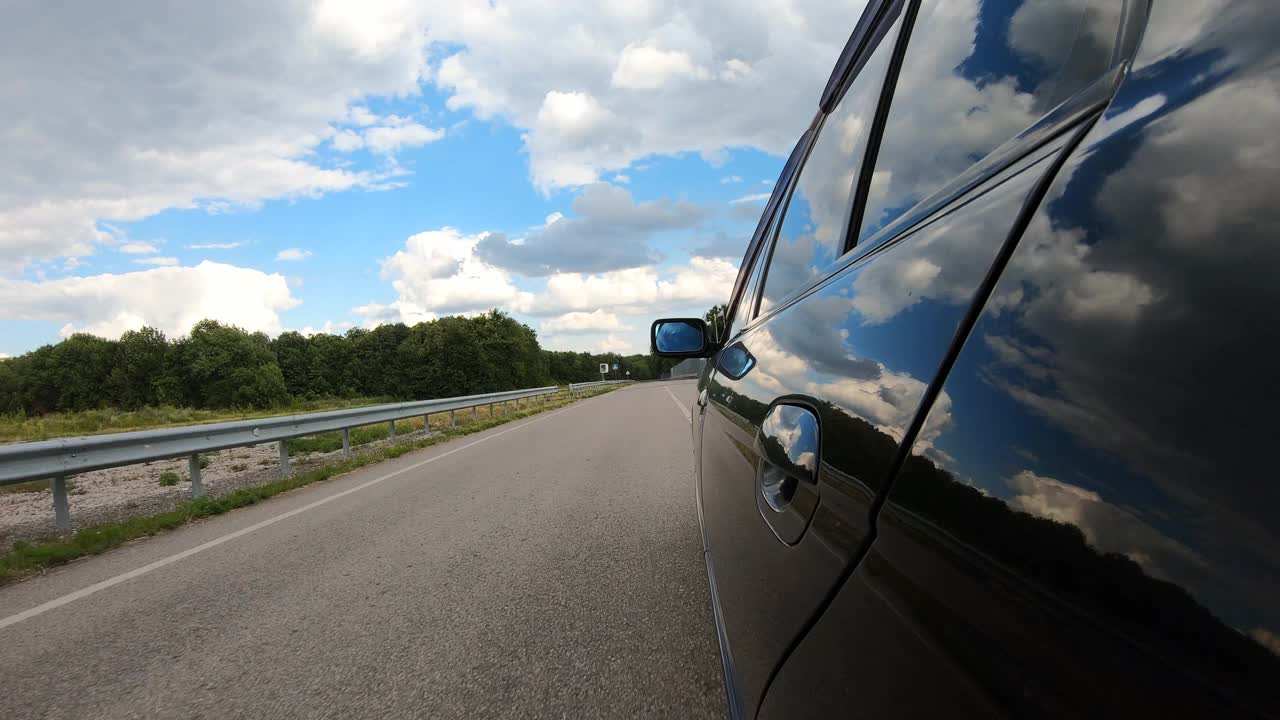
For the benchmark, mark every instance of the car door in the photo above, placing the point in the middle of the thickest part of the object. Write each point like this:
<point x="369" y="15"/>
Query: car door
<point x="1014" y="570"/>
<point x="894" y="221"/>
<point x="747" y="564"/>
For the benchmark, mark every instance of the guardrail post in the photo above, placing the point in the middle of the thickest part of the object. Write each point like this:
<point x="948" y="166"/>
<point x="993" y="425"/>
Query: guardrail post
<point x="284" y="458"/>
<point x="193" y="465"/>
<point x="474" y="416"/>
<point x="491" y="411"/>
<point x="426" y="424"/>
<point x="393" y="428"/>
<point x="346" y="442"/>
<point x="61" y="510"/>
<point x="452" y="422"/>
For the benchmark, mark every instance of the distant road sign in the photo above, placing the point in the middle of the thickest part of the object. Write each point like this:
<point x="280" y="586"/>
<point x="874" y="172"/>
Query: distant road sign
<point x="604" y="368"/>
<point x="615" y="366"/>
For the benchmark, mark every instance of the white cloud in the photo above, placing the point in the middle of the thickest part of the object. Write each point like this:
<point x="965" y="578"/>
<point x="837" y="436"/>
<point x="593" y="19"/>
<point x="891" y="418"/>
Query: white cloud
<point x="170" y="128"/>
<point x="347" y="140"/>
<point x="157" y="261"/>
<point x="392" y="138"/>
<point x="752" y="198"/>
<point x="293" y="254"/>
<point x="137" y="248"/>
<point x="169" y="298"/>
<point x="730" y="179"/>
<point x="328" y="328"/>
<point x="360" y="115"/>
<point x="215" y="246"/>
<point x="620" y="179"/>
<point x="591" y="342"/>
<point x="582" y="322"/>
<point x="438" y="273"/>
<point x="641" y="67"/>
<point x="703" y="282"/>
<point x="624" y="81"/>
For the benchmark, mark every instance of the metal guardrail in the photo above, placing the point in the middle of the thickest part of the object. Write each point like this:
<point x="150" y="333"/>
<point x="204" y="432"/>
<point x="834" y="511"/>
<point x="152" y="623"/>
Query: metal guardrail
<point x="62" y="457"/>
<point x="575" y="387"/>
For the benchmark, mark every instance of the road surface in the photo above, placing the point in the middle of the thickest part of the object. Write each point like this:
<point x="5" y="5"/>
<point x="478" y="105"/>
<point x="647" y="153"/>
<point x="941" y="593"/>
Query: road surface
<point x="549" y="567"/>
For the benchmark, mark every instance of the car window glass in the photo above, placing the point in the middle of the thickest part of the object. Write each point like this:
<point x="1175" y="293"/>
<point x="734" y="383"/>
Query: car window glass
<point x="817" y="215"/>
<point x="974" y="76"/>
<point x="746" y="304"/>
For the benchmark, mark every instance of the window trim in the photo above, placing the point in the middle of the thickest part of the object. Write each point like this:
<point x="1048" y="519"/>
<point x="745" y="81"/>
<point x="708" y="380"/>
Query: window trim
<point x="870" y="39"/>
<point x="876" y="134"/>
<point x="780" y="191"/>
<point x="876" y="18"/>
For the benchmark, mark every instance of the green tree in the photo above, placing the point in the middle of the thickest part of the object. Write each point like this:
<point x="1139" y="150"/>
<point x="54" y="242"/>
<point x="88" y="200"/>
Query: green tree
<point x="333" y="368"/>
<point x="298" y="366"/>
<point x="135" y="378"/>
<point x="377" y="368"/>
<point x="224" y="366"/>
<point x="79" y="368"/>
<point x="10" y="387"/>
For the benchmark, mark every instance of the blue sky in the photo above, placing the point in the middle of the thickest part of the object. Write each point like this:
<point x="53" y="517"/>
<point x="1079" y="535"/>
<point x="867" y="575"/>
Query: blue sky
<point x="337" y="164"/>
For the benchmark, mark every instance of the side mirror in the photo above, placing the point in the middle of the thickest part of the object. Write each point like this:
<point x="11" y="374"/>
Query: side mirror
<point x="680" y="337"/>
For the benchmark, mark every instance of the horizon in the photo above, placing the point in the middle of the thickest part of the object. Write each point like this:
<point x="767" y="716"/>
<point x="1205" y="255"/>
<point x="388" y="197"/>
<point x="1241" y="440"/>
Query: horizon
<point x="318" y="168"/>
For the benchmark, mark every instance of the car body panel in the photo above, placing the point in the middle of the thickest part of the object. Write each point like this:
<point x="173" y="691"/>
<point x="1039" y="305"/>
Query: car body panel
<point x="1093" y="529"/>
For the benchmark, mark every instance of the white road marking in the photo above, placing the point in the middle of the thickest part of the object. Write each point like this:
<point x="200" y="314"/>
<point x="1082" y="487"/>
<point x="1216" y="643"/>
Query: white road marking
<point x="137" y="572"/>
<point x="684" y="410"/>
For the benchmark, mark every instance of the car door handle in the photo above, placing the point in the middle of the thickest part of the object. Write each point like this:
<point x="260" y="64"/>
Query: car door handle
<point x="702" y="399"/>
<point x="787" y="477"/>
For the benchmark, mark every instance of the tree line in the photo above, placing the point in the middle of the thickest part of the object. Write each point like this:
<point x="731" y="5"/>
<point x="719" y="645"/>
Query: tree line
<point x="222" y="366"/>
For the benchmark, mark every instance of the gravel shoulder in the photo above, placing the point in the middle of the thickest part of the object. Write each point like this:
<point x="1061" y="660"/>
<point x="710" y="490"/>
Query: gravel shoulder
<point x="120" y="493"/>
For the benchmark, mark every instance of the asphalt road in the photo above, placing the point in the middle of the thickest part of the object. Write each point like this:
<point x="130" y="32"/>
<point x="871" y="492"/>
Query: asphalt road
<point x="545" y="568"/>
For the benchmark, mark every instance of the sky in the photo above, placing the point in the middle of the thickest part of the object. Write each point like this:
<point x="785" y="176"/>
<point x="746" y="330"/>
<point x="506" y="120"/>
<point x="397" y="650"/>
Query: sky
<point x="317" y="166"/>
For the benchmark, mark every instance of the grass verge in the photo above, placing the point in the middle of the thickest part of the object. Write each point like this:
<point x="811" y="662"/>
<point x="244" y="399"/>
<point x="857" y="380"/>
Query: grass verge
<point x="19" y="428"/>
<point x="27" y="558"/>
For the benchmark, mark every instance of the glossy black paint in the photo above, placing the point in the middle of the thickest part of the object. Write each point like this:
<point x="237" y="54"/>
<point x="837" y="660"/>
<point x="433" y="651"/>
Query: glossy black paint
<point x="1042" y="379"/>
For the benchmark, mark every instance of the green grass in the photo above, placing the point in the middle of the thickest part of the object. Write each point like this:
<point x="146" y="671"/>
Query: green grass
<point x="19" y="428"/>
<point x="27" y="558"/>
<point x="169" y="479"/>
<point x="331" y="442"/>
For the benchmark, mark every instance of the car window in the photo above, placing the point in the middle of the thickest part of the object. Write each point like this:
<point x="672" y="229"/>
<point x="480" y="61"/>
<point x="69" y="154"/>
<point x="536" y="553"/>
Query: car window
<point x="817" y="215"/>
<point x="745" y="310"/>
<point x="973" y="77"/>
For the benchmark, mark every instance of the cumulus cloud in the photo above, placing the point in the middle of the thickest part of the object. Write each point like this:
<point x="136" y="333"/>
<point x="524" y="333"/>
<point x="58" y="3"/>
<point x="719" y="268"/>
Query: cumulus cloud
<point x="293" y="254"/>
<point x="393" y="137"/>
<point x="590" y="342"/>
<point x="172" y="130"/>
<point x="582" y="322"/>
<point x="703" y="282"/>
<point x="169" y="298"/>
<point x="438" y="272"/>
<point x="609" y="92"/>
<point x="608" y="230"/>
<point x="328" y="328"/>
<point x="641" y="67"/>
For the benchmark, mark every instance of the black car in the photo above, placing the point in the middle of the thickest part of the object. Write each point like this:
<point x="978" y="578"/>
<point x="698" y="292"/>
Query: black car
<point x="988" y="431"/>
